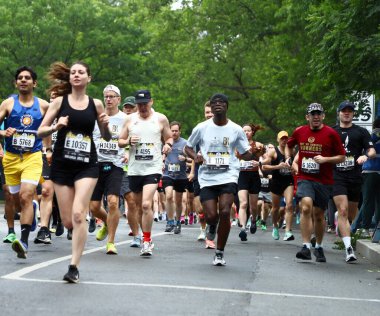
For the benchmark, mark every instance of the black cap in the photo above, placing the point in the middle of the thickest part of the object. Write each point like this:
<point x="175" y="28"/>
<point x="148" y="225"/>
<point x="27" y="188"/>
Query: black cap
<point x="346" y="104"/>
<point x="314" y="107"/>
<point x="220" y="97"/>
<point x="142" y="96"/>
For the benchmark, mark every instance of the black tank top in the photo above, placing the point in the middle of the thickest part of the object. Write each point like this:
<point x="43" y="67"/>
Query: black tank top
<point x="279" y="174"/>
<point x="75" y="145"/>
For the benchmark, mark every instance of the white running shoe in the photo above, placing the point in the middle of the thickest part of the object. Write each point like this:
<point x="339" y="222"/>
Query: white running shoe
<point x="147" y="249"/>
<point x="350" y="255"/>
<point x="202" y="235"/>
<point x="219" y="260"/>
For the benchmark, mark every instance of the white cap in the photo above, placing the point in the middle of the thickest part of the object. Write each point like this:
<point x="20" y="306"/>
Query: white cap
<point x="113" y="88"/>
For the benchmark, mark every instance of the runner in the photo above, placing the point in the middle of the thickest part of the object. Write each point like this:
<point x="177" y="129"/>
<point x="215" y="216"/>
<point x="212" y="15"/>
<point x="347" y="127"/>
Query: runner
<point x="143" y="131"/>
<point x="175" y="179"/>
<point x="319" y="149"/>
<point x="22" y="161"/>
<point x="218" y="138"/>
<point x="282" y="184"/>
<point x="74" y="168"/>
<point x="111" y="173"/>
<point x="347" y="174"/>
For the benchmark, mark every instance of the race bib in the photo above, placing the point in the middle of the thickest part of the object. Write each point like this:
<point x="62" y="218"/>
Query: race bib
<point x="108" y="148"/>
<point x="24" y="141"/>
<point x="285" y="171"/>
<point x="144" y="151"/>
<point x="309" y="165"/>
<point x="264" y="182"/>
<point x="347" y="164"/>
<point x="218" y="160"/>
<point x="244" y="165"/>
<point x="77" y="147"/>
<point x="174" y="167"/>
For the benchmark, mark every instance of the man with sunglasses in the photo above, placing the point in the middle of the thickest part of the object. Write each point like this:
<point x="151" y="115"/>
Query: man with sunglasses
<point x="319" y="149"/>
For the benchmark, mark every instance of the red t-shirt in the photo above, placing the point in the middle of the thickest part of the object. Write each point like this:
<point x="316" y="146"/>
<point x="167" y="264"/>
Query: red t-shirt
<point x="325" y="142"/>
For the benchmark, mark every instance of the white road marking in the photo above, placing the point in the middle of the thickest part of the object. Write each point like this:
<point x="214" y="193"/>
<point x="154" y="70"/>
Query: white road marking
<point x="19" y="276"/>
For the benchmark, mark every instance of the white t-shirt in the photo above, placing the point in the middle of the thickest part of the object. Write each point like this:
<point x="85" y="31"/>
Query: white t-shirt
<point x="110" y="151"/>
<point x="217" y="145"/>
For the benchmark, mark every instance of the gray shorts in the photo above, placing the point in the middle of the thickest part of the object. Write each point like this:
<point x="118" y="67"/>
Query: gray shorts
<point x="265" y="196"/>
<point x="320" y="193"/>
<point x="124" y="189"/>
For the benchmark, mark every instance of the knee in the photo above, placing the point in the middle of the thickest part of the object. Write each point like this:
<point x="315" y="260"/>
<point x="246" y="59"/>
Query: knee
<point x="146" y="206"/>
<point x="46" y="193"/>
<point x="78" y="217"/>
<point x="113" y="203"/>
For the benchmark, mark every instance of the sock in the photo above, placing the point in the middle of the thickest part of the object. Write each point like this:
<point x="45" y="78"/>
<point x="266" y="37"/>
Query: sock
<point x="307" y="244"/>
<point x="318" y="246"/>
<point x="11" y="230"/>
<point x="219" y="251"/>
<point x="347" y="242"/>
<point x="25" y="230"/>
<point x="146" y="236"/>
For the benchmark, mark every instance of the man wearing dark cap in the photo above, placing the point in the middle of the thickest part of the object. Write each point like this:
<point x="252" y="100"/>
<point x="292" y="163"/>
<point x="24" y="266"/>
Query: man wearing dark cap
<point x="143" y="131"/>
<point x="319" y="148"/>
<point x="218" y="138"/>
<point x="347" y="174"/>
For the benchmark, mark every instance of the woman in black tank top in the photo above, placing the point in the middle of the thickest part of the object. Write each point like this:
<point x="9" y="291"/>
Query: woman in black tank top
<point x="74" y="166"/>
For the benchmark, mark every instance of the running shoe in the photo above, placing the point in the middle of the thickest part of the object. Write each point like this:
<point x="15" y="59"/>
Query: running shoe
<point x="350" y="255"/>
<point x="243" y="235"/>
<point x="102" y="233"/>
<point x="34" y="222"/>
<point x="10" y="238"/>
<point x="234" y="222"/>
<point x="43" y="236"/>
<point x="304" y="253"/>
<point x="130" y="233"/>
<point x="177" y="229"/>
<point x="191" y="218"/>
<point x="156" y="216"/>
<point x="253" y="227"/>
<point x="147" y="249"/>
<point x="182" y="219"/>
<point x="69" y="234"/>
<point x="288" y="236"/>
<point x="219" y="260"/>
<point x="169" y="228"/>
<point x="249" y="222"/>
<point x="53" y="228"/>
<point x="209" y="244"/>
<point x="20" y="248"/>
<point x="263" y="227"/>
<point x="136" y="242"/>
<point x="111" y="249"/>
<point x="319" y="255"/>
<point x="60" y="230"/>
<point x="275" y="233"/>
<point x="91" y="225"/>
<point x="211" y="232"/>
<point x="72" y="276"/>
<point x="202" y="235"/>
<point x="186" y="220"/>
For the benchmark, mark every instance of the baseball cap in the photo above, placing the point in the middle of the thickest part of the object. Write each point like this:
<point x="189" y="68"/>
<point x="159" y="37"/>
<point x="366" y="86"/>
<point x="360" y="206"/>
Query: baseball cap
<point x="314" y="107"/>
<point x="130" y="101"/>
<point x="346" y="104"/>
<point x="219" y="96"/>
<point x="113" y="88"/>
<point x="282" y="134"/>
<point x="142" y="96"/>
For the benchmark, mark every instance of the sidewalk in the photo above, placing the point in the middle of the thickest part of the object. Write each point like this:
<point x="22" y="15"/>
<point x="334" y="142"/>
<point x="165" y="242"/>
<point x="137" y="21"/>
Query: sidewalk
<point x="364" y="247"/>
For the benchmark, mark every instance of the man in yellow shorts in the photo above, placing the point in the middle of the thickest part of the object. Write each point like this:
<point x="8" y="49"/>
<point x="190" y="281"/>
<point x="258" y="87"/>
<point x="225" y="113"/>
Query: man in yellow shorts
<point x="23" y="158"/>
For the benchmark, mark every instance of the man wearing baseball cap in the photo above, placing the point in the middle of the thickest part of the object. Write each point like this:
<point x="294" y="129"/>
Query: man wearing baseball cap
<point x="129" y="105"/>
<point x="347" y="174"/>
<point x="320" y="148"/>
<point x="143" y="131"/>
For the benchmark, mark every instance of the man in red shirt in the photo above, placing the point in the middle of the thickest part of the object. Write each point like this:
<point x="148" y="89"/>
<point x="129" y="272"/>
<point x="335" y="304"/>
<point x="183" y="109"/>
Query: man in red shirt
<point x="319" y="149"/>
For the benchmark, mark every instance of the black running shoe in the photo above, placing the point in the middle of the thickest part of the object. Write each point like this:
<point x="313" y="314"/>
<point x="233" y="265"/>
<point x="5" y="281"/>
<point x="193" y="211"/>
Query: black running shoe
<point x="169" y="228"/>
<point x="177" y="229"/>
<point x="43" y="236"/>
<point x="59" y="230"/>
<point x="319" y="255"/>
<point x="69" y="234"/>
<point x="92" y="225"/>
<point x="253" y="227"/>
<point x="304" y="253"/>
<point x="243" y="235"/>
<point x="72" y="276"/>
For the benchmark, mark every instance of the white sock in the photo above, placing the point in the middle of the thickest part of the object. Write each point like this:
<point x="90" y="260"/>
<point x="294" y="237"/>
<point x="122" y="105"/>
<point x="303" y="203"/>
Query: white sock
<point x="347" y="242"/>
<point x="318" y="246"/>
<point x="307" y="244"/>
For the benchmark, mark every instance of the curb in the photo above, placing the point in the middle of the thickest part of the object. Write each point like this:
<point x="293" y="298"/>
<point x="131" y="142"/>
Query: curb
<point x="369" y="250"/>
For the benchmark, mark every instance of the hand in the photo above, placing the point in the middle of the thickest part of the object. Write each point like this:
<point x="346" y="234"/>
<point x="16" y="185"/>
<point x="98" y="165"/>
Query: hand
<point x="9" y="132"/>
<point x="49" y="156"/>
<point x="181" y="158"/>
<point x="362" y="159"/>
<point x="166" y="149"/>
<point x="199" y="159"/>
<point x="190" y="177"/>
<point x="62" y="122"/>
<point x="134" y="140"/>
<point x="104" y="119"/>
<point x="320" y="159"/>
<point x="283" y="165"/>
<point x="125" y="158"/>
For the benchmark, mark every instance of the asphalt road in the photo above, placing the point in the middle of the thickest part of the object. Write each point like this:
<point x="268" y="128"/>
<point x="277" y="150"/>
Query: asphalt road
<point x="262" y="277"/>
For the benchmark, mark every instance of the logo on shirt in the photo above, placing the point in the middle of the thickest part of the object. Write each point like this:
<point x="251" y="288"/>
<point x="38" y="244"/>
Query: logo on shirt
<point x="311" y="140"/>
<point x="26" y="120"/>
<point x="226" y="141"/>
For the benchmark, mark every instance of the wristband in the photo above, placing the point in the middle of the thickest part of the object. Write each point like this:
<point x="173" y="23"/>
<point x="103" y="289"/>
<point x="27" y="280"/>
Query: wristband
<point x="170" y="145"/>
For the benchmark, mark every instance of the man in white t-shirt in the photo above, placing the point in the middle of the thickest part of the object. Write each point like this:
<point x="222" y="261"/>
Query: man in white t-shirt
<point x="218" y="138"/>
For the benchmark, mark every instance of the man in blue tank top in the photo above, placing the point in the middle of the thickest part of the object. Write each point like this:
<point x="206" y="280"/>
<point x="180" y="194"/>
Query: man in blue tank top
<point x="23" y="158"/>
